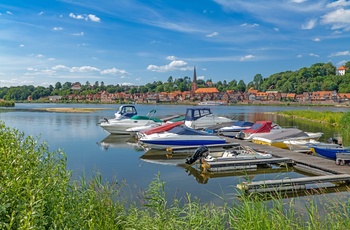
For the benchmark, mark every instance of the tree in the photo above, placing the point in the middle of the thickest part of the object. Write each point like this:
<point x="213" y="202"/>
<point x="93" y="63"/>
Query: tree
<point x="258" y="80"/>
<point x="58" y="85"/>
<point x="241" y="87"/>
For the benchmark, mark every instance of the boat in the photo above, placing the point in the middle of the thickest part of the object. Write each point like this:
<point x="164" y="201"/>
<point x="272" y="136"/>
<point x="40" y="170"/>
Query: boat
<point x="327" y="152"/>
<point x="277" y="138"/>
<point x="304" y="146"/>
<point x="179" y="136"/>
<point x="202" y="117"/>
<point x="228" y="160"/>
<point x="257" y="128"/>
<point x="235" y="128"/>
<point x="159" y="129"/>
<point x="120" y="126"/>
<point x="211" y="103"/>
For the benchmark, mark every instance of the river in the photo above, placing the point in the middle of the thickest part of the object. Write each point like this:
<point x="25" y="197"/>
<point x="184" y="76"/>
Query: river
<point x="90" y="150"/>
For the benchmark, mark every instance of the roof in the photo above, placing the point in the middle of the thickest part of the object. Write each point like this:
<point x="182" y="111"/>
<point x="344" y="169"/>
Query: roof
<point x="342" y="68"/>
<point x="207" y="90"/>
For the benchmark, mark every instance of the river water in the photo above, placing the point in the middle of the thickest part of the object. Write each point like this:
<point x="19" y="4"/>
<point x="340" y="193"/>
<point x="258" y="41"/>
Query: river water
<point x="90" y="150"/>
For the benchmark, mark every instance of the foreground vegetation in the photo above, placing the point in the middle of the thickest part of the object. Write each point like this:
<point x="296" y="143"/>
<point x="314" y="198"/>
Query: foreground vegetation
<point x="37" y="192"/>
<point x="7" y="103"/>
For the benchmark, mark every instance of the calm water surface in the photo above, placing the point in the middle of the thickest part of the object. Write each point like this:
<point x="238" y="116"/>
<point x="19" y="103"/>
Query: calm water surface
<point x="90" y="149"/>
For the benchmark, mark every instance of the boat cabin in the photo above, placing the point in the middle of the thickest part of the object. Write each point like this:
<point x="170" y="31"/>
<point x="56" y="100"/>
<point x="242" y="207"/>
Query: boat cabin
<point x="195" y="113"/>
<point x="126" y="111"/>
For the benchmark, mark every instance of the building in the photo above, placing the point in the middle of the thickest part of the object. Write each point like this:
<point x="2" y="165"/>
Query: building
<point x="194" y="85"/>
<point x="341" y="70"/>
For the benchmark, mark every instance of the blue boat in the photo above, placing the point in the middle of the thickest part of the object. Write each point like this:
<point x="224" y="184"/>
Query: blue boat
<point x="330" y="153"/>
<point x="180" y="136"/>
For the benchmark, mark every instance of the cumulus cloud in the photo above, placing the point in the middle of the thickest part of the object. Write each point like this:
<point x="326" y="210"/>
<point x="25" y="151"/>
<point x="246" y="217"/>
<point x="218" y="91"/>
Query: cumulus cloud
<point x="172" y="66"/>
<point x="341" y="53"/>
<point x="83" y="69"/>
<point x="298" y="1"/>
<point x="85" y="17"/>
<point x="309" y="25"/>
<point x="60" y="67"/>
<point x="247" y="57"/>
<point x="212" y="34"/>
<point x="57" y="28"/>
<point x="114" y="71"/>
<point x="171" y="58"/>
<point x="313" y="55"/>
<point x="340" y="18"/>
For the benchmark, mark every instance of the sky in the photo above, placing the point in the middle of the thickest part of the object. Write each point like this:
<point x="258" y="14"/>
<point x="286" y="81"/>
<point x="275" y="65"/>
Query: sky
<point x="135" y="42"/>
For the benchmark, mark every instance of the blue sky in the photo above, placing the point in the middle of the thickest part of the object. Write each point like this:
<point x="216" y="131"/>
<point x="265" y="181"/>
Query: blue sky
<point x="136" y="42"/>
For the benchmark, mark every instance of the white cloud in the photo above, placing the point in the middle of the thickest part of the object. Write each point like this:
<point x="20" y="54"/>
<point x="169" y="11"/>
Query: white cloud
<point x="298" y="1"/>
<point x="174" y="65"/>
<point x="41" y="13"/>
<point x="299" y="56"/>
<point x="9" y="12"/>
<point x="60" y="67"/>
<point x="309" y="25"/>
<point x="276" y="29"/>
<point x="313" y="55"/>
<point x="85" y="17"/>
<point x="316" y="39"/>
<point x="21" y="45"/>
<point x="340" y="18"/>
<point x="212" y="34"/>
<point x="57" y="28"/>
<point x="83" y="69"/>
<point x="341" y="53"/>
<point x="339" y="3"/>
<point x="250" y="25"/>
<point x="247" y="57"/>
<point x="93" y="18"/>
<point x="171" y="58"/>
<point x="114" y="71"/>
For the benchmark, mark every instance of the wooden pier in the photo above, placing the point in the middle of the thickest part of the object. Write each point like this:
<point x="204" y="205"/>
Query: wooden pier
<point x="329" y="173"/>
<point x="314" y="163"/>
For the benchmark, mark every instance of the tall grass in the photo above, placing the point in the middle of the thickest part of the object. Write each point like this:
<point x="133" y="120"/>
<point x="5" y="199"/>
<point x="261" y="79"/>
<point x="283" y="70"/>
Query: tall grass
<point x="37" y="192"/>
<point x="326" y="117"/>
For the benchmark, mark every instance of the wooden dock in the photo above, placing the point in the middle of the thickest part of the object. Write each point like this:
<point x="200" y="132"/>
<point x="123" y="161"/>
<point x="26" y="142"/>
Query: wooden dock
<point x="307" y="161"/>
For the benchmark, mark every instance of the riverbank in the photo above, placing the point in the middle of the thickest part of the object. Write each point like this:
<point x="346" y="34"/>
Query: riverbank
<point x="70" y="110"/>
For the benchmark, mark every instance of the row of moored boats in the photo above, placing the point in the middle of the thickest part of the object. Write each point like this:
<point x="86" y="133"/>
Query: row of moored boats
<point x="200" y="127"/>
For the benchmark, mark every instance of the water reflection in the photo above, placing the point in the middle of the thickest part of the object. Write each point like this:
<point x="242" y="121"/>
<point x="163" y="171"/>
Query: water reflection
<point x="119" y="141"/>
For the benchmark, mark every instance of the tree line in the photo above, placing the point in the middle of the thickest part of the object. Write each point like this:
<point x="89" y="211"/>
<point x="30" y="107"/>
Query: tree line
<point x="319" y="76"/>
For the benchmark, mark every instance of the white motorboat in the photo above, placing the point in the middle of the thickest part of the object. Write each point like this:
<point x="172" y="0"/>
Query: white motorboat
<point x="235" y="128"/>
<point x="276" y="138"/>
<point x="202" y="117"/>
<point x="179" y="136"/>
<point x="305" y="145"/>
<point x="120" y="126"/>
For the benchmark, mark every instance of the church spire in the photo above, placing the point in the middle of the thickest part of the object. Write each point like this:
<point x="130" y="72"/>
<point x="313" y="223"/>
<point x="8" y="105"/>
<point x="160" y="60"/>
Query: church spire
<point x="194" y="82"/>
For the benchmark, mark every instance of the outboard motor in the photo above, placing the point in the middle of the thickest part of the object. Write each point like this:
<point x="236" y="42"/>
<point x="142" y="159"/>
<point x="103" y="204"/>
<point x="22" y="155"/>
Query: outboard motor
<point x="201" y="152"/>
<point x="240" y="135"/>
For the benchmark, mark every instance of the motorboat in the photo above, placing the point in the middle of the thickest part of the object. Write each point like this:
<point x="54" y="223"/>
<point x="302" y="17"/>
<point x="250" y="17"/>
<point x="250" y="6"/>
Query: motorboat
<point x="304" y="146"/>
<point x="257" y="128"/>
<point x="179" y="136"/>
<point x="202" y="117"/>
<point x="329" y="152"/>
<point x="277" y="138"/>
<point x="235" y="128"/>
<point x="236" y="153"/>
<point x="159" y="129"/>
<point x="228" y="159"/>
<point x="120" y="126"/>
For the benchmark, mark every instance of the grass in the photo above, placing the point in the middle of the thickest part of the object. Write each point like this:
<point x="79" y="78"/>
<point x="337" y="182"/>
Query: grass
<point x="37" y="192"/>
<point x="325" y="117"/>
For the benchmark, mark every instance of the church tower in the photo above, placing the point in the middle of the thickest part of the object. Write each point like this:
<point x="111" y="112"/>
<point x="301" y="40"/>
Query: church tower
<point x="194" y="82"/>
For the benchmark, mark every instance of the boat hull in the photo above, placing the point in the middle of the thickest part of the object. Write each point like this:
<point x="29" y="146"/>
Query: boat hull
<point x="330" y="153"/>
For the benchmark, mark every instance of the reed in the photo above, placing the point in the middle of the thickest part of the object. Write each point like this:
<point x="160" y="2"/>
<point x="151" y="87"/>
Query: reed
<point x="7" y="103"/>
<point x="37" y="192"/>
<point x="325" y="117"/>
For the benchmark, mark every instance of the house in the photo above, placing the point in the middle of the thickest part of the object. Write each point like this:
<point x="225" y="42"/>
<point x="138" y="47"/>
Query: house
<point x="76" y="86"/>
<point x="341" y="70"/>
<point x="54" y="98"/>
